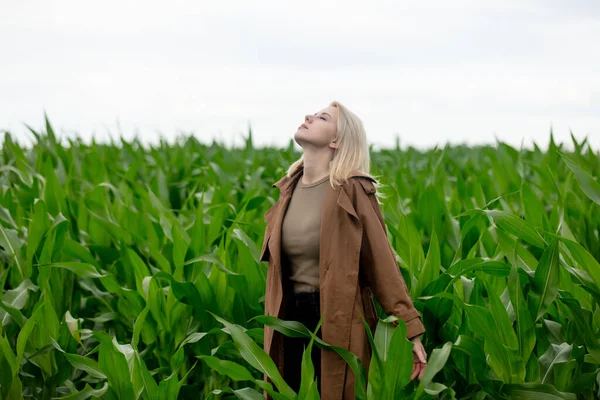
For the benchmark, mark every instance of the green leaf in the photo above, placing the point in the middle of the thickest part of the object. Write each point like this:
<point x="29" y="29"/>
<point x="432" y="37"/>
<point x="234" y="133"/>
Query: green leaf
<point x="9" y="356"/>
<point x="432" y="267"/>
<point x="86" y="393"/>
<point x="296" y="329"/>
<point x="544" y="287"/>
<point x="587" y="183"/>
<point x="10" y="240"/>
<point x="516" y="226"/>
<point x="505" y="363"/>
<point x="398" y="366"/>
<point x="53" y="191"/>
<point x="376" y="375"/>
<point x="256" y="356"/>
<point x="435" y="363"/>
<point x="583" y="326"/>
<point x="240" y="235"/>
<point x="86" y="364"/>
<point x="225" y="367"/>
<point x="186" y="293"/>
<point x="211" y="258"/>
<point x="114" y="365"/>
<point x="583" y="258"/>
<point x="502" y="321"/>
<point x="15" y="300"/>
<point x="555" y="354"/>
<point x="308" y="384"/>
<point x="81" y="269"/>
<point x="248" y="394"/>
<point x="197" y="336"/>
<point x="142" y="381"/>
<point x="536" y="391"/>
<point x="27" y="329"/>
<point x="524" y="325"/>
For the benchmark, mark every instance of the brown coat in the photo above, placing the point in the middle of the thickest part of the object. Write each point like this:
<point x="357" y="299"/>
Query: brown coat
<point x="356" y="259"/>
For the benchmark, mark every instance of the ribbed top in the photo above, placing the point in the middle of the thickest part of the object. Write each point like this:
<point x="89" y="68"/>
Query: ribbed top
<point x="307" y="185"/>
<point x="300" y="235"/>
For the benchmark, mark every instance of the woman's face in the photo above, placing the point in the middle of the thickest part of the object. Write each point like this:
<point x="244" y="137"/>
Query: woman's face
<point x="319" y="130"/>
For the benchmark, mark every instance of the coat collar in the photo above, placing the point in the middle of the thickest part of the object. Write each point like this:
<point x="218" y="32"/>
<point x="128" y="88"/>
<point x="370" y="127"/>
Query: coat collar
<point x="285" y="183"/>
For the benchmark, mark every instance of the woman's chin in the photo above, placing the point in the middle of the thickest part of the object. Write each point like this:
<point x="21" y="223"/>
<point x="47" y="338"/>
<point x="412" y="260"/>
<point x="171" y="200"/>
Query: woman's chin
<point x="307" y="142"/>
<point x="300" y="138"/>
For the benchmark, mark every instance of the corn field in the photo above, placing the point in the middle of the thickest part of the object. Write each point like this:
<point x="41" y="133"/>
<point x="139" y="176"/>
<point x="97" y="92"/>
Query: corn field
<point x="132" y="272"/>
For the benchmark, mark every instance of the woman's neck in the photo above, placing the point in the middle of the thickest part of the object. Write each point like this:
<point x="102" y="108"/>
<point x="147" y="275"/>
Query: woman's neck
<point x="315" y="167"/>
<point x="314" y="172"/>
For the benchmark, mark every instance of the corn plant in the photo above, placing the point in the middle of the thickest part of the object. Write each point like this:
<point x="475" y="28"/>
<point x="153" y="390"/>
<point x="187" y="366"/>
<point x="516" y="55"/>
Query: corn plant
<point x="131" y="271"/>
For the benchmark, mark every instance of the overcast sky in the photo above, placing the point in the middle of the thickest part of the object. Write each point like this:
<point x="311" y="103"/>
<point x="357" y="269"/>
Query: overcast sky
<point x="429" y="71"/>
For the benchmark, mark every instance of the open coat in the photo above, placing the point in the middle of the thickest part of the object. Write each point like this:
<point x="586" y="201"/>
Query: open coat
<point x="356" y="260"/>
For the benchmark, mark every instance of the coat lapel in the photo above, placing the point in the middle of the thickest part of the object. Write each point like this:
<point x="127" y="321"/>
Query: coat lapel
<point x="274" y="216"/>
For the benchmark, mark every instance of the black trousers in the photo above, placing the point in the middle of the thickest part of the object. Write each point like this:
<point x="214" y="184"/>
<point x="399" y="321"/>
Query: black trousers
<point x="302" y="307"/>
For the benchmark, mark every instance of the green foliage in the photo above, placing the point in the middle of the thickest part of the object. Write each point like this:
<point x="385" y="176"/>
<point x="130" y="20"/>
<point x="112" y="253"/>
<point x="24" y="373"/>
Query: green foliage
<point x="131" y="272"/>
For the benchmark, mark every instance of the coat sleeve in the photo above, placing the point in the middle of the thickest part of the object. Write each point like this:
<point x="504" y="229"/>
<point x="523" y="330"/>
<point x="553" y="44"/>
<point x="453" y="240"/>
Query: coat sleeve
<point x="379" y="265"/>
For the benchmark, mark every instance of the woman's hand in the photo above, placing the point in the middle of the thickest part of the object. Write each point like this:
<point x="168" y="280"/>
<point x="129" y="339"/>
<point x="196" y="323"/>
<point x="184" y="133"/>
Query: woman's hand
<point x="419" y="358"/>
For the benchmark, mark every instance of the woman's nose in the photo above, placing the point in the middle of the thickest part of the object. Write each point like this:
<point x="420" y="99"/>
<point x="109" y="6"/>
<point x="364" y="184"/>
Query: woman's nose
<point x="307" y="118"/>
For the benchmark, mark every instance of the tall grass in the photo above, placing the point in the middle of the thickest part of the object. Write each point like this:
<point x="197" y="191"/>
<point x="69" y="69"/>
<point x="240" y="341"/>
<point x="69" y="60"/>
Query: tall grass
<point x="131" y="272"/>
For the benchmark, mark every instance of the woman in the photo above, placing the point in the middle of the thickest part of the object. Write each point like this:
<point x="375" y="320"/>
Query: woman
<point x="327" y="248"/>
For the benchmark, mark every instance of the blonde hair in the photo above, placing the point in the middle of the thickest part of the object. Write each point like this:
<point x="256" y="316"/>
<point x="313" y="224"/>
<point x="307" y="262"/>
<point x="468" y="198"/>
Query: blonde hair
<point x="351" y="155"/>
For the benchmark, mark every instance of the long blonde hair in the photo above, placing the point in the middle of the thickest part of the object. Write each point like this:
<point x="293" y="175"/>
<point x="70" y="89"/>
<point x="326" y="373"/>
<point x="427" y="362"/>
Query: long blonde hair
<point x="351" y="155"/>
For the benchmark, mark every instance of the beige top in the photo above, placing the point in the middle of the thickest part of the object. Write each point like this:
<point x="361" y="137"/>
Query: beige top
<point x="300" y="234"/>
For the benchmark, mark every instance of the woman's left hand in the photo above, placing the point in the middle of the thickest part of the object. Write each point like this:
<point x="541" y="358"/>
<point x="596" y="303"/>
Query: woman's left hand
<point x="419" y="358"/>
